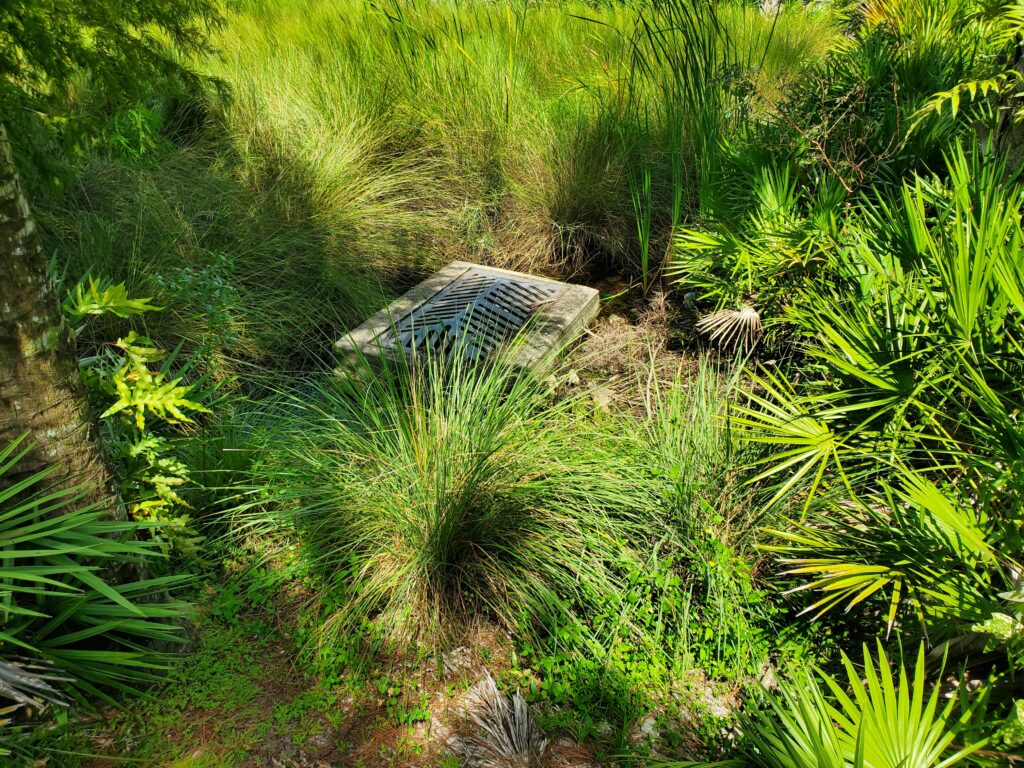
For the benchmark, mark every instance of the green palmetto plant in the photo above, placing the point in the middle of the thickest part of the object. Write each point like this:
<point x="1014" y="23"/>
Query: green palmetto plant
<point x="908" y="410"/>
<point x="748" y="265"/>
<point x="882" y="716"/>
<point x="879" y="392"/>
<point x="423" y="494"/>
<point x="912" y="344"/>
<point x="28" y="687"/>
<point x="971" y="247"/>
<point x="79" y="631"/>
<point x="916" y="545"/>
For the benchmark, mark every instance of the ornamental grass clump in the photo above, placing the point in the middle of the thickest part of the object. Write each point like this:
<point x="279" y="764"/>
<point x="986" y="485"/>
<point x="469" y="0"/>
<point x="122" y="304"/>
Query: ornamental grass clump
<point x="426" y="495"/>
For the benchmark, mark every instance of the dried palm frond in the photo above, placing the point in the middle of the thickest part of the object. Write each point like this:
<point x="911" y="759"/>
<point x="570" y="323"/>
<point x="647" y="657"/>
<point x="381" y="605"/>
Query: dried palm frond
<point x="29" y="684"/>
<point x="733" y="327"/>
<point x="506" y="734"/>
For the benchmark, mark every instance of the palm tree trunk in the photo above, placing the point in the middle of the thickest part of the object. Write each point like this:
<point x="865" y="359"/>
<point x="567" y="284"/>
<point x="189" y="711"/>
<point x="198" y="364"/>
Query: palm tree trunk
<point x="40" y="390"/>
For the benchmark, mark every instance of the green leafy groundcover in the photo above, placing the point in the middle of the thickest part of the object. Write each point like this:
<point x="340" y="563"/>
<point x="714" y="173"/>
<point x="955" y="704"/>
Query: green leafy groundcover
<point x="826" y="197"/>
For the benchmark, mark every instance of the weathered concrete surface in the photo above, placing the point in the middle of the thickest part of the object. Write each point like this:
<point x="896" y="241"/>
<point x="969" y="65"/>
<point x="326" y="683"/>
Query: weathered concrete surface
<point x="552" y="325"/>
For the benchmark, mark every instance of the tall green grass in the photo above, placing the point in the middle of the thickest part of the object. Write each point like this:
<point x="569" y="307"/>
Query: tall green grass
<point x="506" y="133"/>
<point x="417" y="501"/>
<point x="708" y="518"/>
<point x="883" y="714"/>
<point x="425" y="497"/>
<point x="250" y="278"/>
<point x="775" y="48"/>
<point x="355" y="147"/>
<point x="464" y="124"/>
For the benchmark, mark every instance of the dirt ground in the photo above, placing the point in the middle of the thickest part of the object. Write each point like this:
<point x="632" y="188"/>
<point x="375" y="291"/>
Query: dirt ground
<point x="251" y="707"/>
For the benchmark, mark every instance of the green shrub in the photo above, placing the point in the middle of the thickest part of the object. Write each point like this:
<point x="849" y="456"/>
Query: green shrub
<point x="855" y="111"/>
<point x="906" y="422"/>
<point x="855" y="123"/>
<point x="143" y="390"/>
<point x="426" y="495"/>
<point x="756" y="253"/>
<point x="910" y="340"/>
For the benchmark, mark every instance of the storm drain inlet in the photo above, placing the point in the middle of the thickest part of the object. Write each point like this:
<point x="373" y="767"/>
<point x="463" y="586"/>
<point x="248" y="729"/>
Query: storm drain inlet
<point x="479" y="309"/>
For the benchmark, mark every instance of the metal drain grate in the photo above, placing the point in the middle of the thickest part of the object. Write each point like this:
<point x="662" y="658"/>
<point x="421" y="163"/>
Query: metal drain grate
<point x="480" y="309"/>
<point x="477" y="308"/>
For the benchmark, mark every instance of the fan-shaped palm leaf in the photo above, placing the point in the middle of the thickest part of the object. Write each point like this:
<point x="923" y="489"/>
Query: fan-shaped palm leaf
<point x="881" y="717"/>
<point x="924" y="548"/>
<point x="733" y="328"/>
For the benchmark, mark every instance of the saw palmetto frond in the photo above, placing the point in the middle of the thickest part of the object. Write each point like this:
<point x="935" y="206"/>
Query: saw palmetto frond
<point x="733" y="328"/>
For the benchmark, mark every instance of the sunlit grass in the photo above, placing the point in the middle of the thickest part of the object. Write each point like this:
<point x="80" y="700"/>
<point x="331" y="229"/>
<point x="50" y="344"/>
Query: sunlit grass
<point x="425" y="499"/>
<point x="498" y="132"/>
<point x="777" y="46"/>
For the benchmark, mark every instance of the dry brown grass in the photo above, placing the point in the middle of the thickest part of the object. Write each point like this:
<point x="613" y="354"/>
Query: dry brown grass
<point x="627" y="352"/>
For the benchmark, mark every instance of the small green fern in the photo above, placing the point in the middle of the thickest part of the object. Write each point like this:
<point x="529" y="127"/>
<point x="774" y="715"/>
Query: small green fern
<point x="1007" y="32"/>
<point x="140" y="389"/>
<point x="151" y="476"/>
<point x="151" y="480"/>
<point x="137" y="378"/>
<point x="1002" y="84"/>
<point x="99" y="297"/>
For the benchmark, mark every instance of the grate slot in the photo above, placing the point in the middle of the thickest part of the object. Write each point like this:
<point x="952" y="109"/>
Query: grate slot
<point x="485" y="309"/>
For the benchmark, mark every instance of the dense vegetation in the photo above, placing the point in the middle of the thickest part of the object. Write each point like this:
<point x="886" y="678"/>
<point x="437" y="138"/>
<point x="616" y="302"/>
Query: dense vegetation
<point x="780" y="525"/>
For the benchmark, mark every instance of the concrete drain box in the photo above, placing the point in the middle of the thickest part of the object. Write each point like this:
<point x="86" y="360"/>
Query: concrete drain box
<point x="485" y="307"/>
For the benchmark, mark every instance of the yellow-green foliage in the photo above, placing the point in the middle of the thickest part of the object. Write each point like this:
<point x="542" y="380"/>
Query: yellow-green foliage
<point x="360" y="146"/>
<point x="500" y="131"/>
<point x="776" y="47"/>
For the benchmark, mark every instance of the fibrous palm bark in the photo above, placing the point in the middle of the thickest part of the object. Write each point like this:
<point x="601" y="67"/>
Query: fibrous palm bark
<point x="40" y="389"/>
